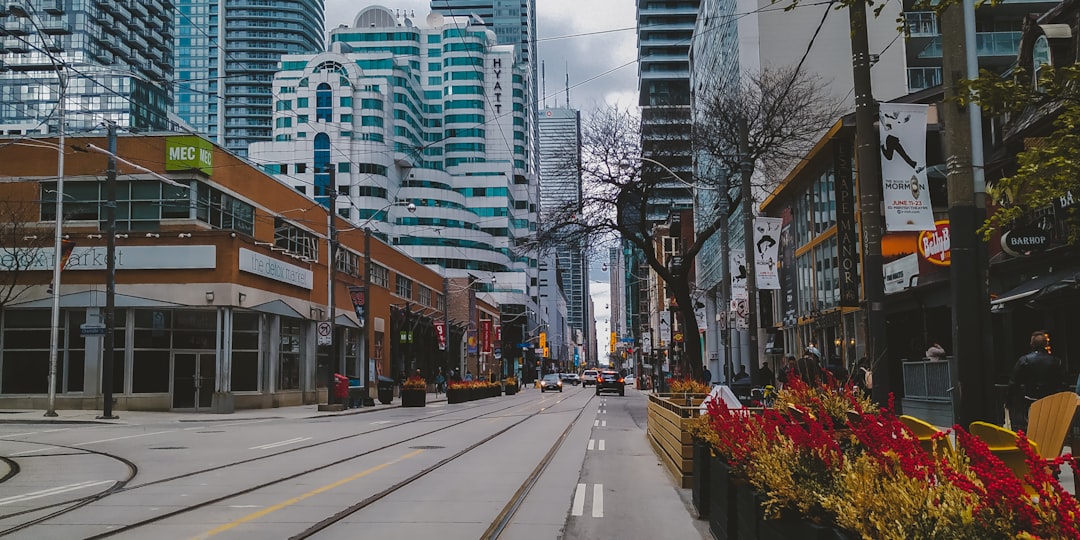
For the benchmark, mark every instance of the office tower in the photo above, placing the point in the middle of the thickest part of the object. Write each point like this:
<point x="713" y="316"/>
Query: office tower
<point x="226" y="56"/>
<point x="560" y="186"/>
<point x="114" y="60"/>
<point x="664" y="35"/>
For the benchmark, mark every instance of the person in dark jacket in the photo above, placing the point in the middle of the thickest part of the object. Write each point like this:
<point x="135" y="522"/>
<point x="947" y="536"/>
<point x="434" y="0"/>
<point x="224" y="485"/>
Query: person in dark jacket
<point x="765" y="376"/>
<point x="1036" y="375"/>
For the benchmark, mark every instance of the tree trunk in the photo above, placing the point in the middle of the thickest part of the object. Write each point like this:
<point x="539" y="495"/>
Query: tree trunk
<point x="690" y="361"/>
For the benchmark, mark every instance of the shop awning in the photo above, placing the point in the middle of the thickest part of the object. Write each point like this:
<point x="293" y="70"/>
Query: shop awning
<point x="342" y="320"/>
<point x="278" y="307"/>
<point x="1032" y="289"/>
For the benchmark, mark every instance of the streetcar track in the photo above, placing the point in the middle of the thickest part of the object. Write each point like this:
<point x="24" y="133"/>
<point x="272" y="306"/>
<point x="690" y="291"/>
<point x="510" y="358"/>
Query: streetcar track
<point x="92" y="498"/>
<point x="250" y="489"/>
<point x="13" y="469"/>
<point x="515" y="501"/>
<point x="75" y="504"/>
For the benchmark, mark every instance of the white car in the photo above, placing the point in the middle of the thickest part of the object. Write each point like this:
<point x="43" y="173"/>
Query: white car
<point x="631" y="381"/>
<point x="589" y="377"/>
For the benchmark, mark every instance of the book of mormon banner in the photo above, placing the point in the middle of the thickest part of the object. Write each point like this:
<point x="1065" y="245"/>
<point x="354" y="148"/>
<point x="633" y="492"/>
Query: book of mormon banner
<point x="903" y="167"/>
<point x="767" y="251"/>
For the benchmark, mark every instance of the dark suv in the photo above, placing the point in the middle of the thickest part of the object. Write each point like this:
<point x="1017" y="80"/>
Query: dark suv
<point x="610" y="381"/>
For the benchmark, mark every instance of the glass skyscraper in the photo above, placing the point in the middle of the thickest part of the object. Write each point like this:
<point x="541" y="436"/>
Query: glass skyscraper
<point x="113" y="58"/>
<point x="226" y="56"/>
<point x="560" y="186"/>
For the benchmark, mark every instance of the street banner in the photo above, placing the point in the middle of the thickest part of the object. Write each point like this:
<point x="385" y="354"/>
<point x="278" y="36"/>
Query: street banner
<point x="359" y="299"/>
<point x="767" y="251"/>
<point x="847" y="239"/>
<point x="66" y="248"/>
<point x="903" y="167"/>
<point x="497" y="345"/>
<point x="470" y="342"/>
<point x="440" y="334"/>
<point x="485" y="335"/>
<point x="738" y="275"/>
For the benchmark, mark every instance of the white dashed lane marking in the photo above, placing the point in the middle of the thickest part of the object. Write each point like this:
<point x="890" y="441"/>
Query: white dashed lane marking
<point x="578" y="508"/>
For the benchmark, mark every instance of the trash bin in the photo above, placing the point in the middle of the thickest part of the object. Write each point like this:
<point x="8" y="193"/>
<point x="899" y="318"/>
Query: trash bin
<point x="386" y="390"/>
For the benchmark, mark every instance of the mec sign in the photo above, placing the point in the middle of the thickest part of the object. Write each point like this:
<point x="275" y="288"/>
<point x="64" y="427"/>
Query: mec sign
<point x="188" y="153"/>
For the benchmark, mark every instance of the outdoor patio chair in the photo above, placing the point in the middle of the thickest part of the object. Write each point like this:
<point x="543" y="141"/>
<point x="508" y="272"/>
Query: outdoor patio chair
<point x="1049" y="420"/>
<point x="925" y="432"/>
<point x="1002" y="443"/>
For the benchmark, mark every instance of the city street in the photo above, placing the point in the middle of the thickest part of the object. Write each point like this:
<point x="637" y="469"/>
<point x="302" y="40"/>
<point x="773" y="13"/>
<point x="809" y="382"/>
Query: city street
<point x="531" y="466"/>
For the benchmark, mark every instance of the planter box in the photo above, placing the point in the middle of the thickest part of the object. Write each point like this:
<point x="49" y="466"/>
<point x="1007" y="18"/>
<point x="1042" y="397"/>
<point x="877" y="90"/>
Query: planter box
<point x="413" y="398"/>
<point x="702" y="482"/>
<point x="511" y="389"/>
<point x="723" y="517"/>
<point x="668" y="434"/>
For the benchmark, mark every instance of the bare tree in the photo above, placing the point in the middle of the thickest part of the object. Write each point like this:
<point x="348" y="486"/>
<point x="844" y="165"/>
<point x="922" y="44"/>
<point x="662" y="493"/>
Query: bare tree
<point x="785" y="111"/>
<point x="21" y="241"/>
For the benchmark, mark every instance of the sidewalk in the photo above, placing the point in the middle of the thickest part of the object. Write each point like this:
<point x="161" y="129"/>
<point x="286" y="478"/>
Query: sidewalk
<point x="32" y="416"/>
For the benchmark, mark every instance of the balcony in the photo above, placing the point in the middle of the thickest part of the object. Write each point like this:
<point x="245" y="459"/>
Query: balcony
<point x="16" y="27"/>
<point x="15" y="45"/>
<point x="987" y="44"/>
<point x="56" y="27"/>
<point x="14" y="8"/>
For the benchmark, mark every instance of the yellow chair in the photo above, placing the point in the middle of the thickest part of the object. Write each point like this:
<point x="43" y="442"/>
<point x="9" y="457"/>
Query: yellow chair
<point x="925" y="433"/>
<point x="1049" y="420"/>
<point x="1002" y="443"/>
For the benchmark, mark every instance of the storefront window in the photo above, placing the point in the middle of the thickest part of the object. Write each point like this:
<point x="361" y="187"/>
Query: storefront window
<point x="26" y="352"/>
<point x="245" y="356"/>
<point x="289" y="354"/>
<point x="151" y="360"/>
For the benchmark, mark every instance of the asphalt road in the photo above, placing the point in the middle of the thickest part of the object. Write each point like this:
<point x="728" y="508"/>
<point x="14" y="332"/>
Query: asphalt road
<point x="530" y="466"/>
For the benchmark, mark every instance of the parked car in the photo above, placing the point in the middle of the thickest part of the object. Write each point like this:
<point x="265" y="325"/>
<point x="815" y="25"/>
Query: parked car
<point x="631" y="381"/>
<point x="589" y="377"/>
<point x="570" y="378"/>
<point x="551" y="381"/>
<point x="610" y="381"/>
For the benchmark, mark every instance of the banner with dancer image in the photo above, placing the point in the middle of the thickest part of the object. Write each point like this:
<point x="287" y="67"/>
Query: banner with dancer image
<point x="767" y="251"/>
<point x="738" y="275"/>
<point x="903" y="167"/>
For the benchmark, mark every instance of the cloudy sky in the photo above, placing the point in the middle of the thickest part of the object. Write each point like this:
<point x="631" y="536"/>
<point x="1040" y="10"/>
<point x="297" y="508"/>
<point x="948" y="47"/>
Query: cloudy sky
<point x="594" y="45"/>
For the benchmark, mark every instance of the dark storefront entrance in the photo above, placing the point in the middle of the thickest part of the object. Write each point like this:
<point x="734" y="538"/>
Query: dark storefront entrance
<point x="193" y="380"/>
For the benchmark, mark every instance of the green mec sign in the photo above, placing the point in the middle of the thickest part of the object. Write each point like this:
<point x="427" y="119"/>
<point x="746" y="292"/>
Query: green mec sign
<point x="187" y="153"/>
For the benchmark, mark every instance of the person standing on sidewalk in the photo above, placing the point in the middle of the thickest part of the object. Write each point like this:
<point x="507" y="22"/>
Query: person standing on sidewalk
<point x="1036" y="375"/>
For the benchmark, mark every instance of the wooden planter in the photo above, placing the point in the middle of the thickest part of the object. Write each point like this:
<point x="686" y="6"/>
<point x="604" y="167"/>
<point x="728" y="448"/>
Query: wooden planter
<point x="667" y="418"/>
<point x="510" y="389"/>
<point x="413" y="398"/>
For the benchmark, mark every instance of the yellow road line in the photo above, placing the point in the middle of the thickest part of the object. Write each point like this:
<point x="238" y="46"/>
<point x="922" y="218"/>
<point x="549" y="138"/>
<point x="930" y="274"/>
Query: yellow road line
<point x="294" y="500"/>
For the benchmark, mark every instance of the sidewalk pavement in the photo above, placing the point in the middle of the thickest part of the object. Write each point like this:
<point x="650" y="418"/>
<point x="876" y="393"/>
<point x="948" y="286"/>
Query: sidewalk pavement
<point x="34" y="416"/>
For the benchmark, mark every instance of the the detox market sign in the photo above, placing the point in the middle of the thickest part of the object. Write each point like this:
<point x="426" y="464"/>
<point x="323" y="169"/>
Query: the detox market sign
<point x="268" y="267"/>
<point x="127" y="258"/>
<point x="189" y="153"/>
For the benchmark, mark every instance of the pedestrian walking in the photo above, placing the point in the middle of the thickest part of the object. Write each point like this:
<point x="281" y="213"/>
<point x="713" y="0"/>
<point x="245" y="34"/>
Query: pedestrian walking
<point x="706" y="375"/>
<point x="1036" y="375"/>
<point x="440" y="383"/>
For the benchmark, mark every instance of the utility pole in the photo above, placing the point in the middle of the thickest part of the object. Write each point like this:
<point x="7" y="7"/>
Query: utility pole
<point x="746" y="194"/>
<point x="58" y="239"/>
<point x="725" y="271"/>
<point x="368" y="363"/>
<point x="867" y="158"/>
<point x="967" y="295"/>
<point x="331" y="269"/>
<point x="110" y="278"/>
